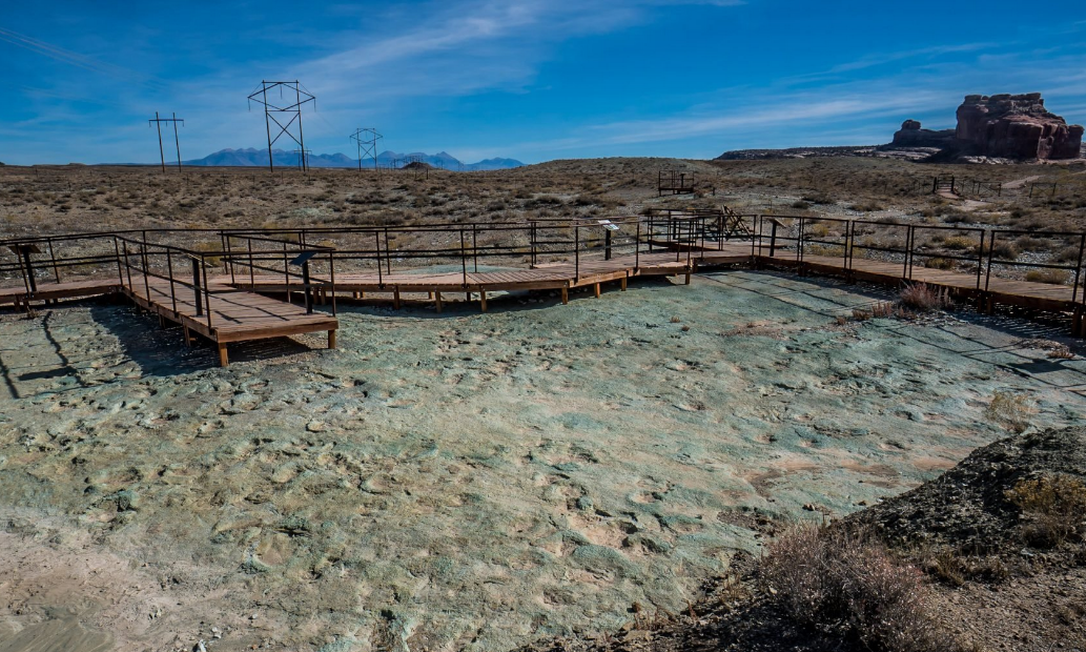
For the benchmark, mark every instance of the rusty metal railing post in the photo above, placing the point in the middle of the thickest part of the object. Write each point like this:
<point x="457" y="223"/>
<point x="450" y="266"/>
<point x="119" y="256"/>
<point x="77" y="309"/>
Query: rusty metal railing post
<point x="332" y="278"/>
<point x="980" y="258"/>
<point x="207" y="292"/>
<point x="127" y="266"/>
<point x="252" y="269"/>
<point x="799" y="240"/>
<point x="146" y="272"/>
<point x="197" y="299"/>
<point x="377" y="254"/>
<point x="169" y="272"/>
<point x="910" y="239"/>
<point x="637" y="246"/>
<point x="576" y="251"/>
<point x="53" y="258"/>
<point x="388" y="253"/>
<point x="845" y="263"/>
<point x="991" y="253"/>
<point x="475" y="247"/>
<point x="1078" y="269"/>
<point x="463" y="260"/>
<point x="286" y="272"/>
<point x="117" y="257"/>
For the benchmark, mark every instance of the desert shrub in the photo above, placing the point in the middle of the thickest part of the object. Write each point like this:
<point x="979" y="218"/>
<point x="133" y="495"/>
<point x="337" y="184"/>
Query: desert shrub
<point x="925" y="298"/>
<point x="1055" y="505"/>
<point x="801" y="205"/>
<point x="866" y="207"/>
<point x="818" y="198"/>
<point x="959" y="243"/>
<point x="883" y="310"/>
<point x="859" y="314"/>
<point x="1004" y="251"/>
<point x="828" y="578"/>
<point x="940" y="263"/>
<point x="1052" y="276"/>
<point x="1010" y="410"/>
<point x="1067" y="255"/>
<point x="816" y="230"/>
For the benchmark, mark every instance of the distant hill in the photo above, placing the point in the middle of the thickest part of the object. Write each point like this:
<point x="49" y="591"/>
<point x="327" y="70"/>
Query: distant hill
<point x="252" y="157"/>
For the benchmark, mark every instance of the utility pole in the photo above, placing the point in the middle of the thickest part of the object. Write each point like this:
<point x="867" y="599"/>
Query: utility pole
<point x="366" y="138"/>
<point x="282" y="110"/>
<point x="303" y="158"/>
<point x="176" y="139"/>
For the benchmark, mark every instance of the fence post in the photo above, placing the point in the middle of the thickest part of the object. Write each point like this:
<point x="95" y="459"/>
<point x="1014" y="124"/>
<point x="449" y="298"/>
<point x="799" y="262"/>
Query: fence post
<point x="53" y="257"/>
<point x="576" y="251"/>
<point x="207" y="293"/>
<point x="910" y="240"/>
<point x="848" y="237"/>
<point x="308" y="289"/>
<point x="991" y="253"/>
<point x="286" y="271"/>
<point x="1078" y="267"/>
<point x="980" y="257"/>
<point x="606" y="244"/>
<point x="196" y="286"/>
<point x="637" y="246"/>
<point x="531" y="239"/>
<point x="377" y="253"/>
<point x="463" y="259"/>
<point x="475" y="247"/>
<point x="169" y="272"/>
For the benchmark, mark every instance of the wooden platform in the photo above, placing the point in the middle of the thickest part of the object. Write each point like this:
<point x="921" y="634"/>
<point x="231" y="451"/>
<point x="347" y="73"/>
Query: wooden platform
<point x="54" y="291"/>
<point x="555" y="276"/>
<point x="229" y="314"/>
<point x="1000" y="291"/>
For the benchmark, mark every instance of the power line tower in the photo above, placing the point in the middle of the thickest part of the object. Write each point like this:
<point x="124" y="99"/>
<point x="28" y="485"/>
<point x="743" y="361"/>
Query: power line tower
<point x="282" y="110"/>
<point x="176" y="139"/>
<point x="303" y="158"/>
<point x="366" y="138"/>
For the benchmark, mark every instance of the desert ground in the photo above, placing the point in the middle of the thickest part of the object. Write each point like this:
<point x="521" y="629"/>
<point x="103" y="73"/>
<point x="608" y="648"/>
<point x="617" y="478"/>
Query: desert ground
<point x="486" y="481"/>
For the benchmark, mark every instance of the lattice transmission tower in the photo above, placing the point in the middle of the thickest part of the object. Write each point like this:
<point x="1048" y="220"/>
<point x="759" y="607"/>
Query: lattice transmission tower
<point x="283" y="110"/>
<point x="366" y="138"/>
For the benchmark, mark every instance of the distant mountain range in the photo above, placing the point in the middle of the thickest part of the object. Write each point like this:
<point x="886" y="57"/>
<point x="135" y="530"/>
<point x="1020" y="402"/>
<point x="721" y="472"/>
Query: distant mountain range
<point x="252" y="157"/>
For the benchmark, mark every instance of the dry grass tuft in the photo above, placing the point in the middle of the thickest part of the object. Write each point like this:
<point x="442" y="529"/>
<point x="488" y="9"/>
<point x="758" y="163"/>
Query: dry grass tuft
<point x="1051" y="276"/>
<point x="925" y="298"/>
<point x="1055" y="506"/>
<point x="829" y="578"/>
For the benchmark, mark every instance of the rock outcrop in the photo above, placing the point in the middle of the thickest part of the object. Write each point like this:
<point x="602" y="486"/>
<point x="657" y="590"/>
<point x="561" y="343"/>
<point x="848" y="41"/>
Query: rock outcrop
<point x="912" y="135"/>
<point x="1016" y="127"/>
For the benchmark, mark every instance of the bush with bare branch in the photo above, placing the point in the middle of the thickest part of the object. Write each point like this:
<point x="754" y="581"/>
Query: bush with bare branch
<point x="829" y="577"/>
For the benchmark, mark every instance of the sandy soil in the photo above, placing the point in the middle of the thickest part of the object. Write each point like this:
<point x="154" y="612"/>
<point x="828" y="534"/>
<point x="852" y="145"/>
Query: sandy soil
<point x="465" y="481"/>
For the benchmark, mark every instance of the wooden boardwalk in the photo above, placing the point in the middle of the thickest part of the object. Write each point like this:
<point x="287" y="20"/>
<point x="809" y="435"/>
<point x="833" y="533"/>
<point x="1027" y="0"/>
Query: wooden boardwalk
<point x="237" y="307"/>
<point x="999" y="291"/>
<point x="555" y="276"/>
<point x="227" y="314"/>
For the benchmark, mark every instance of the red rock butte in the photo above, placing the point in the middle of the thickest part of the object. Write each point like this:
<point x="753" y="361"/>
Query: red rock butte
<point x="1016" y="126"/>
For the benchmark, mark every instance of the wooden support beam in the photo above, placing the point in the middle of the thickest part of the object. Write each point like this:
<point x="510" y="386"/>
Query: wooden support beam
<point x="565" y="296"/>
<point x="437" y="300"/>
<point x="482" y="300"/>
<point x="624" y="279"/>
<point x="596" y="289"/>
<point x="687" y="279"/>
<point x="223" y="359"/>
<point x="332" y="339"/>
<point x="185" y="333"/>
<point x="396" y="298"/>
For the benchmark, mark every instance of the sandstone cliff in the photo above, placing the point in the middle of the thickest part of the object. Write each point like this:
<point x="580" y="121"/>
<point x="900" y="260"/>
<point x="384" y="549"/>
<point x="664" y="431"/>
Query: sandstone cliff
<point x="1016" y="126"/>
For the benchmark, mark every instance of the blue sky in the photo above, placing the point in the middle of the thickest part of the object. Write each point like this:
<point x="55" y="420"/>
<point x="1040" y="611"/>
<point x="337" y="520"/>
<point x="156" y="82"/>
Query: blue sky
<point x="528" y="79"/>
